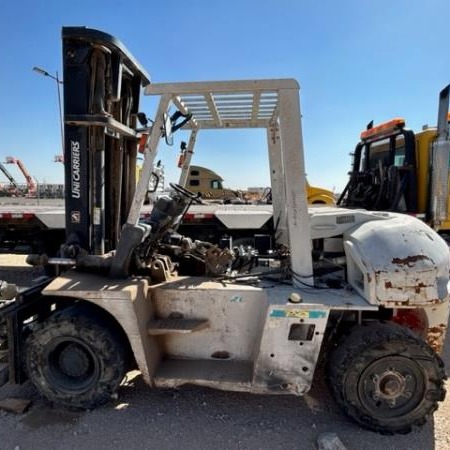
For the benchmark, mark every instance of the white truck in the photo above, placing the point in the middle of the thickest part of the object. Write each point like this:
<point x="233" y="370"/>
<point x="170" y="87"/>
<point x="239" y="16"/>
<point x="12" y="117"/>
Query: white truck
<point x="365" y="291"/>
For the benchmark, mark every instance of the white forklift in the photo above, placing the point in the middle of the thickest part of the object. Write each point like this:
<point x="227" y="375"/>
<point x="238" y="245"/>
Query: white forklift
<point x="365" y="292"/>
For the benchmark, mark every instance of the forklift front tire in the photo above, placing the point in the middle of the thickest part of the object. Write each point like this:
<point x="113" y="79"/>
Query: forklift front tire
<point x="75" y="358"/>
<point x="386" y="378"/>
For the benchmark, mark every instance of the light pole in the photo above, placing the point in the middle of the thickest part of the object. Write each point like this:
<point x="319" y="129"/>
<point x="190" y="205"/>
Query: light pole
<point x="58" y="83"/>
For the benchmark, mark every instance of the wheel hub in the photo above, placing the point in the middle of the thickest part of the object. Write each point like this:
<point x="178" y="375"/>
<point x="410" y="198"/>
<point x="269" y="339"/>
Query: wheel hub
<point x="73" y="361"/>
<point x="72" y="367"/>
<point x="390" y="384"/>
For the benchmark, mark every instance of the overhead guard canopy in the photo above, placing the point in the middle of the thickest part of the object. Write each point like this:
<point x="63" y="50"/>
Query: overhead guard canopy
<point x="226" y="104"/>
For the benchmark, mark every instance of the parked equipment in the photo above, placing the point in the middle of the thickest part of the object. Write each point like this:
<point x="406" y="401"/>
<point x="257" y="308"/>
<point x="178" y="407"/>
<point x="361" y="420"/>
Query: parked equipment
<point x="14" y="187"/>
<point x="366" y="291"/>
<point x="209" y="185"/>
<point x="396" y="169"/>
<point x="9" y="176"/>
<point x="31" y="183"/>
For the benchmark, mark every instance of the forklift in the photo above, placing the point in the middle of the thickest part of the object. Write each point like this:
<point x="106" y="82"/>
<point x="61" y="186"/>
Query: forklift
<point x="363" y="293"/>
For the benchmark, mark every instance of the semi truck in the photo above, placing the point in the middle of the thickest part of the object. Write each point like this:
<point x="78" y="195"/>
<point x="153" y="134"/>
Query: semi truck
<point x="210" y="185"/>
<point x="365" y="293"/>
<point x="397" y="169"/>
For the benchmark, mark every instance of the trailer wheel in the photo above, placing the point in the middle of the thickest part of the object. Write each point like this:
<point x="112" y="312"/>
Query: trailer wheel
<point x="386" y="378"/>
<point x="75" y="358"/>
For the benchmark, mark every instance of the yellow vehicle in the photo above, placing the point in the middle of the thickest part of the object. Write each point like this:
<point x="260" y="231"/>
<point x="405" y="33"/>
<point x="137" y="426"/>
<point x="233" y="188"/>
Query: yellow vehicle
<point x="209" y="184"/>
<point x="319" y="196"/>
<point x="396" y="169"/>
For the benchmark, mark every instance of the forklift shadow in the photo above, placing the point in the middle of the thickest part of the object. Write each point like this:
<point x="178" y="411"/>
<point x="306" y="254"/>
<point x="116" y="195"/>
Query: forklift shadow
<point x="303" y="419"/>
<point x="190" y="415"/>
<point x="179" y="418"/>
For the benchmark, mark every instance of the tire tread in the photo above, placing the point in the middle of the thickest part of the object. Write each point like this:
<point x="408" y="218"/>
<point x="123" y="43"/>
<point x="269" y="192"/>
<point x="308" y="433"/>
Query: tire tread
<point x="360" y="343"/>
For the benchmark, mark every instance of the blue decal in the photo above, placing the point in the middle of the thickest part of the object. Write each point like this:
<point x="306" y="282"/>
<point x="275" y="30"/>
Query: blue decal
<point x="298" y="314"/>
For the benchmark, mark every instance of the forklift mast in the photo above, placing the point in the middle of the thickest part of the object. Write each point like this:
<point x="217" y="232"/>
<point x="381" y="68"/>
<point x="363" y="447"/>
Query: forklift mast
<point x="102" y="83"/>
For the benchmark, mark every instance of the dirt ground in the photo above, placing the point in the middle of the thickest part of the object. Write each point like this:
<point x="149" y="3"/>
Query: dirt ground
<point x="198" y="418"/>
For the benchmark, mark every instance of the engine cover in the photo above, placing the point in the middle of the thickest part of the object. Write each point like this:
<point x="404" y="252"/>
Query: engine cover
<point x="398" y="261"/>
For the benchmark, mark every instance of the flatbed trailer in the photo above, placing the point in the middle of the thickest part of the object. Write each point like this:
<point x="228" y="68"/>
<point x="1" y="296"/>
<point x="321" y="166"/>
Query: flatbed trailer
<point x="29" y="227"/>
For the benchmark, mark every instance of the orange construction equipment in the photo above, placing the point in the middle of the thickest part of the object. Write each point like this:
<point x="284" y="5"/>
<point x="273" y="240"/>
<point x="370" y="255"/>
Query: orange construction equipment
<point x="14" y="187"/>
<point x="31" y="183"/>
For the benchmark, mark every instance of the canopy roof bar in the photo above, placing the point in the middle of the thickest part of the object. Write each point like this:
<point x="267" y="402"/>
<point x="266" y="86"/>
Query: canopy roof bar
<point x="225" y="104"/>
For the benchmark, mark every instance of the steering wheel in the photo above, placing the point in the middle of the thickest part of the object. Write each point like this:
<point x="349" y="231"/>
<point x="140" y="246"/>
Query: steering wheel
<point x="186" y="193"/>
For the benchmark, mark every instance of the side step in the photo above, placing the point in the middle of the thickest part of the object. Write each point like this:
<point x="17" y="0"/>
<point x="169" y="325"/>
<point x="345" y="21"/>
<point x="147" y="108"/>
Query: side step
<point x="176" y="326"/>
<point x="222" y="374"/>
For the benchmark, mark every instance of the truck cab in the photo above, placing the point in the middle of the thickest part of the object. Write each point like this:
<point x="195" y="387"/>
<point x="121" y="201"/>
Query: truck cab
<point x="209" y="185"/>
<point x="395" y="169"/>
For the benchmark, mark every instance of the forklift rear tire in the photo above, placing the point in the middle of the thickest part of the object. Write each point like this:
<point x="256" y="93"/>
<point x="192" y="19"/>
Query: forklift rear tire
<point x="75" y="358"/>
<point x="386" y="378"/>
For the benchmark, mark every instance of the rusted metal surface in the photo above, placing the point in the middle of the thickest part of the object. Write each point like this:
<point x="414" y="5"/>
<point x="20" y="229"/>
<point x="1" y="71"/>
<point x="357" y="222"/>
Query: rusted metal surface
<point x="413" y="318"/>
<point x="409" y="260"/>
<point x="428" y="323"/>
<point x="408" y="287"/>
<point x="437" y="318"/>
<point x="394" y="262"/>
<point x="436" y="337"/>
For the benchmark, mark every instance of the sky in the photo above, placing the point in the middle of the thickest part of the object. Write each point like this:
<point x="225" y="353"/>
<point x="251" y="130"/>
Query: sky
<point x="355" y="60"/>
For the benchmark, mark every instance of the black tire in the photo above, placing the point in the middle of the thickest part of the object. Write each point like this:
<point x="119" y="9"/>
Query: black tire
<point x="75" y="358"/>
<point x="386" y="378"/>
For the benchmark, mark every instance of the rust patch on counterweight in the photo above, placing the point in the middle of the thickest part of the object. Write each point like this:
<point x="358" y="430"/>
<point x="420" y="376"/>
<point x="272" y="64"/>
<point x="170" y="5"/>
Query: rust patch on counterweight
<point x="409" y="260"/>
<point x="435" y="337"/>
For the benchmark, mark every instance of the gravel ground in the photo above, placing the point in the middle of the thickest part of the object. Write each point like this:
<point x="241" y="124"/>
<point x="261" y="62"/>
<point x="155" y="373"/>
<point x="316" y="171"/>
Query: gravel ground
<point x="198" y="418"/>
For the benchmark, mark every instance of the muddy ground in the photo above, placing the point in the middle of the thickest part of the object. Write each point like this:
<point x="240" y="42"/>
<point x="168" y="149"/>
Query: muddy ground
<point x="197" y="418"/>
